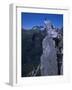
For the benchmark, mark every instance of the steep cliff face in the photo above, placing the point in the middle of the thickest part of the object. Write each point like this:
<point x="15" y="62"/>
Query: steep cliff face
<point x="49" y="58"/>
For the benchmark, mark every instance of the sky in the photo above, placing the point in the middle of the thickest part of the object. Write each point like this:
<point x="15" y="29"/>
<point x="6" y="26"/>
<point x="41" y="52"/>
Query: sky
<point x="28" y="20"/>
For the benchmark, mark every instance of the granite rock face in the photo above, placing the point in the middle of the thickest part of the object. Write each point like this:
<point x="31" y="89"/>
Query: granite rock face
<point x="48" y="57"/>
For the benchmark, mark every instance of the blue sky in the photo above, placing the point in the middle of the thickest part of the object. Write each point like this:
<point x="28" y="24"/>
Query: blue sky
<point x="28" y="20"/>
